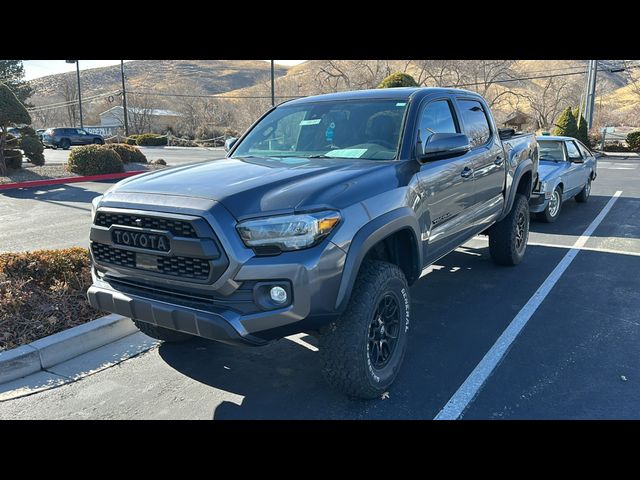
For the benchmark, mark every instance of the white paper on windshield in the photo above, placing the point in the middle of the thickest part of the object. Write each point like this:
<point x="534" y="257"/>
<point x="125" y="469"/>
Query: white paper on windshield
<point x="347" y="153"/>
<point x="314" y="121"/>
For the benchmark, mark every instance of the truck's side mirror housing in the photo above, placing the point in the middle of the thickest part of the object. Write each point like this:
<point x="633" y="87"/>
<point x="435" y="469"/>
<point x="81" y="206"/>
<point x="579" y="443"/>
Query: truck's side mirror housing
<point x="440" y="146"/>
<point x="229" y="143"/>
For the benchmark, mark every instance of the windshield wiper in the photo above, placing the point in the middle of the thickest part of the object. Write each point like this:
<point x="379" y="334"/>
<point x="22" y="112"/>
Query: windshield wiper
<point x="318" y="156"/>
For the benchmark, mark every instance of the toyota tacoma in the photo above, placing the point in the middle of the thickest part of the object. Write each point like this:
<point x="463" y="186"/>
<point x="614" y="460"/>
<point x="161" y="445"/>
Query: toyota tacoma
<point x="318" y="220"/>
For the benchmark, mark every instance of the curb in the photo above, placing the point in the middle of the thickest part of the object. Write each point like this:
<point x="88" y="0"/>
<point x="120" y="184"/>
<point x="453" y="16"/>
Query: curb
<point x="54" y="349"/>
<point x="57" y="181"/>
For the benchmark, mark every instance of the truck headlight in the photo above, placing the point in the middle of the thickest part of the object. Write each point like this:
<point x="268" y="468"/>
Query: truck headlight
<point x="288" y="232"/>
<point x="94" y="206"/>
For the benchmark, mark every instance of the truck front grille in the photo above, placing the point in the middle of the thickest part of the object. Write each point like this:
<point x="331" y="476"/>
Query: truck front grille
<point x="183" y="267"/>
<point x="114" y="256"/>
<point x="177" y="227"/>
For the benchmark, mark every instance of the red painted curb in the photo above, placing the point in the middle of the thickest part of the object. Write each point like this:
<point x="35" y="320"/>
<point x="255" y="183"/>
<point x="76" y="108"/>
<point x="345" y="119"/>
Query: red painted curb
<point x="57" y="181"/>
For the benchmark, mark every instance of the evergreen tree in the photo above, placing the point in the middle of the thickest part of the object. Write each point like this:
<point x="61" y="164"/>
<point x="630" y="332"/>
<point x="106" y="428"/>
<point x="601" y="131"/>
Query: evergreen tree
<point x="583" y="130"/>
<point x="566" y="125"/>
<point x="12" y="75"/>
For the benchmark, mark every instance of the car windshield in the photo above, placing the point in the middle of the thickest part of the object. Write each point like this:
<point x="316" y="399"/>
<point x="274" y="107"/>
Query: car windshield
<point x="551" y="151"/>
<point x="366" y="129"/>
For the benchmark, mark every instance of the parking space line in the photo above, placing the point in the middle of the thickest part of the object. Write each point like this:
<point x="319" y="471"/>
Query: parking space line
<point x="297" y="338"/>
<point x="591" y="249"/>
<point x="476" y="380"/>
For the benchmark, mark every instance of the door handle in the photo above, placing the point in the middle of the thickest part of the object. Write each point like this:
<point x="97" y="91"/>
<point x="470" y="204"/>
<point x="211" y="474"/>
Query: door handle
<point x="466" y="173"/>
<point x="498" y="161"/>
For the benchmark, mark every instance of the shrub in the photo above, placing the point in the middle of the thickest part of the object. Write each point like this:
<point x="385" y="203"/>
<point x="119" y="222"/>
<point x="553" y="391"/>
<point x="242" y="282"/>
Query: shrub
<point x="127" y="153"/>
<point x="582" y="130"/>
<point x="33" y="149"/>
<point x="566" y="124"/>
<point x="131" y="139"/>
<point x="13" y="159"/>
<point x="633" y="140"/>
<point x="41" y="293"/>
<point x="616" y="147"/>
<point x="158" y="161"/>
<point x="398" y="79"/>
<point x="11" y="111"/>
<point x="151" y="140"/>
<point x="94" y="160"/>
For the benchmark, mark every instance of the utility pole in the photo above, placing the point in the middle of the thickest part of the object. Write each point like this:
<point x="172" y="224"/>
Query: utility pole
<point x="590" y="97"/>
<point x="124" y="101"/>
<point x="273" y="86"/>
<point x="77" y="62"/>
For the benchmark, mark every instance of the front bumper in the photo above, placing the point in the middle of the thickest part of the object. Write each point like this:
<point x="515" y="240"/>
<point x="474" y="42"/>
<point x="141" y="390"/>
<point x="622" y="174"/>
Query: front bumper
<point x="538" y="202"/>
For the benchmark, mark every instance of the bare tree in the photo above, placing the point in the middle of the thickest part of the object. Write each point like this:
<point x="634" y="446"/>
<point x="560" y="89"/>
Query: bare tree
<point x="546" y="101"/>
<point x="338" y="75"/>
<point x="69" y="91"/>
<point x="140" y="111"/>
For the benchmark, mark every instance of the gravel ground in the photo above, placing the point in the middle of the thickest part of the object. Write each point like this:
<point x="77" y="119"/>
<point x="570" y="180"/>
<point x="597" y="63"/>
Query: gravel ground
<point x="44" y="172"/>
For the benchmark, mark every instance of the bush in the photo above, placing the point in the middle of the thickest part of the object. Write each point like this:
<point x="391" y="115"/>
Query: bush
<point x="158" y="161"/>
<point x="151" y="140"/>
<point x="41" y="293"/>
<point x="127" y="153"/>
<point x="13" y="159"/>
<point x="398" y="79"/>
<point x="616" y="147"/>
<point x="33" y="149"/>
<point x="633" y="140"/>
<point x="566" y="124"/>
<point x="582" y="131"/>
<point x="11" y="141"/>
<point x="131" y="139"/>
<point x="94" y="160"/>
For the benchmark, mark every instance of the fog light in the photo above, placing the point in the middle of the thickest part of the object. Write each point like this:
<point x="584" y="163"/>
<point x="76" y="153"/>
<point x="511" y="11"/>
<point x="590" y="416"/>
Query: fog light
<point x="278" y="294"/>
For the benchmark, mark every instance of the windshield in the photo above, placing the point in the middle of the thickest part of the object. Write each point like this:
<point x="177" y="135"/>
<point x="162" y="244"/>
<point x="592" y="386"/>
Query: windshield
<point x="367" y="129"/>
<point x="551" y="151"/>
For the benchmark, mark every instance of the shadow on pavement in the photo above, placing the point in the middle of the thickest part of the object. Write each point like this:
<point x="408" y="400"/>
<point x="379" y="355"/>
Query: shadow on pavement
<point x="459" y="310"/>
<point x="55" y="194"/>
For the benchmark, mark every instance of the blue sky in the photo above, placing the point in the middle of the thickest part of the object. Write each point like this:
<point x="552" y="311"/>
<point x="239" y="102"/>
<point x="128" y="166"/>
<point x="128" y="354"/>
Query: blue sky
<point x="40" y="68"/>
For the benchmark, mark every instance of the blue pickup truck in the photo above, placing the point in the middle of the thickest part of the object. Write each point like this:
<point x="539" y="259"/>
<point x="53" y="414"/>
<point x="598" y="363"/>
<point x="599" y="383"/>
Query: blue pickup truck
<point x="566" y="170"/>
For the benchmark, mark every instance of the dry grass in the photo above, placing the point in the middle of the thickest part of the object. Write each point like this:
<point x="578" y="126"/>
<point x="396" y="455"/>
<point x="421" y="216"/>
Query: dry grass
<point x="42" y="293"/>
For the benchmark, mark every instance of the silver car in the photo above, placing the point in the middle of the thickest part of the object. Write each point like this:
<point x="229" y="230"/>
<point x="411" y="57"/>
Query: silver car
<point x="566" y="170"/>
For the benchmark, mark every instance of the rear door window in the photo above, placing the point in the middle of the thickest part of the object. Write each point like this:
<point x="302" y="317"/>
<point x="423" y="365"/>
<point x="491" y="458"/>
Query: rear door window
<point x="476" y="123"/>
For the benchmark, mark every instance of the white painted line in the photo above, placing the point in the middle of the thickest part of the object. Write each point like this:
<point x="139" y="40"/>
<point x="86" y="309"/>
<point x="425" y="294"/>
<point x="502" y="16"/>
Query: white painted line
<point x="591" y="249"/>
<point x="476" y="380"/>
<point x="296" y="339"/>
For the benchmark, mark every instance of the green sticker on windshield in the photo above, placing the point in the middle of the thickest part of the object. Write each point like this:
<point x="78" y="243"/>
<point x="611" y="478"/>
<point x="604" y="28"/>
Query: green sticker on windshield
<point x="347" y="153"/>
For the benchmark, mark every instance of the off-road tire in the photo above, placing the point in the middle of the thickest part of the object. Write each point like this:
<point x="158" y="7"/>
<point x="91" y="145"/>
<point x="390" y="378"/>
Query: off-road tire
<point x="345" y="349"/>
<point x="508" y="238"/>
<point x="161" y="333"/>
<point x="583" y="196"/>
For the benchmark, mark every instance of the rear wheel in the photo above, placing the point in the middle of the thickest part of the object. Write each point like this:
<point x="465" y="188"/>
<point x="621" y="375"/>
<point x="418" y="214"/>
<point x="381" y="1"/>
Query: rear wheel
<point x="508" y="238"/>
<point x="363" y="350"/>
<point x="160" y="333"/>
<point x="97" y="141"/>
<point x="583" y="196"/>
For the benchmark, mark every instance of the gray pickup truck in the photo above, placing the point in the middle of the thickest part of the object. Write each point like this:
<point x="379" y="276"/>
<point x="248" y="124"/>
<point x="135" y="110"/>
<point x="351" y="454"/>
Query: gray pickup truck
<point x="320" y="218"/>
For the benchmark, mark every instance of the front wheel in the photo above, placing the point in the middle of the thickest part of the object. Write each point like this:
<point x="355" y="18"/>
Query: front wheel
<point x="508" y="238"/>
<point x="362" y="351"/>
<point x="65" y="144"/>
<point x="552" y="212"/>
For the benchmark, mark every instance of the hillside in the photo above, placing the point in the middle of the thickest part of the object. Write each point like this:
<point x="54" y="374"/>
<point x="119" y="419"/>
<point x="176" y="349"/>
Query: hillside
<point x="207" y="76"/>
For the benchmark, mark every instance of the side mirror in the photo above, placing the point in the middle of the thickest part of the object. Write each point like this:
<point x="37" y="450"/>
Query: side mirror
<point x="229" y="143"/>
<point x="576" y="160"/>
<point x="440" y="146"/>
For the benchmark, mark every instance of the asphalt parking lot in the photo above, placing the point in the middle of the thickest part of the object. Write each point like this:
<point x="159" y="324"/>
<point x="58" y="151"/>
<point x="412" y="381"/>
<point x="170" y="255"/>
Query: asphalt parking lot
<point x="577" y="356"/>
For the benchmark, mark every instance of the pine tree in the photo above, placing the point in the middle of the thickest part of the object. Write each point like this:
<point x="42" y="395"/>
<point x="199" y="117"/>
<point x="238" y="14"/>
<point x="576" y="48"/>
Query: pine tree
<point x="583" y="130"/>
<point x="566" y="125"/>
<point x="11" y="111"/>
<point x="12" y="75"/>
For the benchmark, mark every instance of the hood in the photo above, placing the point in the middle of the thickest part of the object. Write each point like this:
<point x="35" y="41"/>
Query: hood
<point x="253" y="186"/>
<point x="548" y="170"/>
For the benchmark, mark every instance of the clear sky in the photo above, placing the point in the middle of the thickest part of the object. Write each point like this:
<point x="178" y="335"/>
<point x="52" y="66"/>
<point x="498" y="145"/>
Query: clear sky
<point x="40" y="68"/>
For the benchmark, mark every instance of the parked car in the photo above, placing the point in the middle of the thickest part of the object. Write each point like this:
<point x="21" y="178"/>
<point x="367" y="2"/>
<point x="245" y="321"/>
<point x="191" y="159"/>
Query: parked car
<point x="567" y="168"/>
<point x="40" y="133"/>
<point x="65" y="137"/>
<point x="319" y="219"/>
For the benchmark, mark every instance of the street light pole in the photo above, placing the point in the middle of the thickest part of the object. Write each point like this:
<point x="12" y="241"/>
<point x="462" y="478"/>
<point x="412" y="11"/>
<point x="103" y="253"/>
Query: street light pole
<point x="124" y="100"/>
<point x="79" y="93"/>
<point x="273" y="86"/>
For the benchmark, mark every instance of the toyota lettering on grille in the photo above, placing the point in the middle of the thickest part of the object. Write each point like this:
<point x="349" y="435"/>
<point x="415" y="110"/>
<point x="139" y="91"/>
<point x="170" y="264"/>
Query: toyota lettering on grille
<point x="148" y="241"/>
